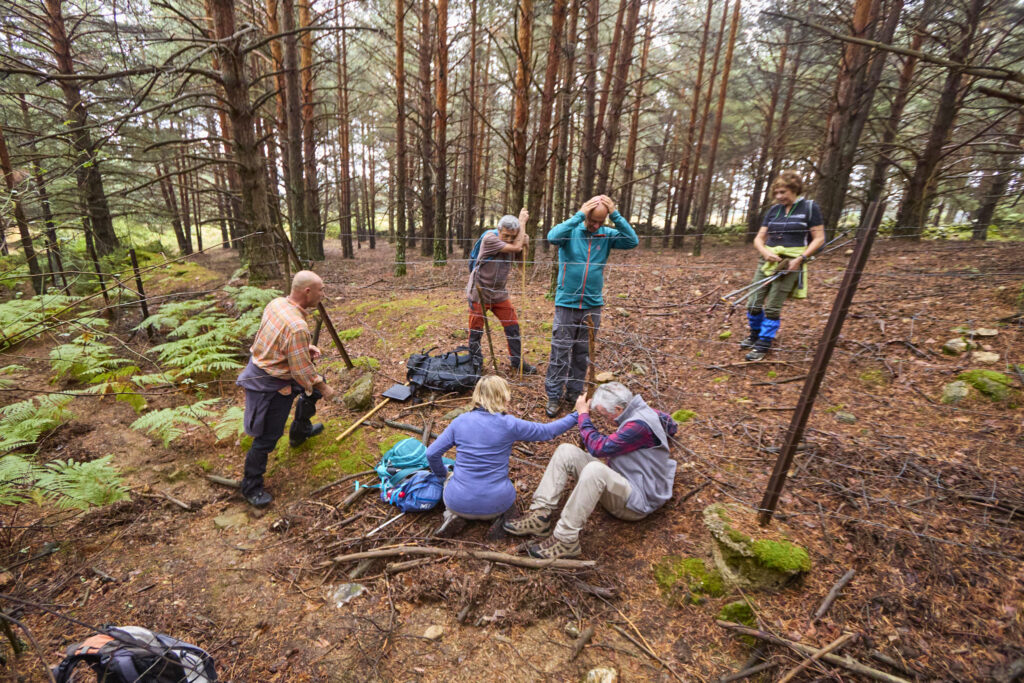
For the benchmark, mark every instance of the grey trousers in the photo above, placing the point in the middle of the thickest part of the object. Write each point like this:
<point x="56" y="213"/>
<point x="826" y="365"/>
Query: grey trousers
<point x="570" y="352"/>
<point x="596" y="483"/>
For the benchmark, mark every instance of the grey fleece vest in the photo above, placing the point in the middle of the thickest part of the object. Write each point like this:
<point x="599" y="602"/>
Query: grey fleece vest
<point x="650" y="471"/>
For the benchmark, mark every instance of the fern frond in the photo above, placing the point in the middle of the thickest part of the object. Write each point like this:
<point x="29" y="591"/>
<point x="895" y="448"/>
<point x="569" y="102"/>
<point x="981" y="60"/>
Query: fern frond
<point x="22" y="423"/>
<point x="16" y="475"/>
<point x="230" y="424"/>
<point x="170" y="423"/>
<point x="80" y="485"/>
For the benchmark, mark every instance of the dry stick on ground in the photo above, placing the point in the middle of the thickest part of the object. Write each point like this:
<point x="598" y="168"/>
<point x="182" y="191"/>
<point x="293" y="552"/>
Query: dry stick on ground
<point x="32" y="639"/>
<point x="223" y="481"/>
<point x="353" y="497"/>
<point x="347" y="477"/>
<point x="749" y="671"/>
<point x="826" y="604"/>
<point x="647" y="651"/>
<point x="845" y="661"/>
<point x="784" y="380"/>
<point x="490" y="555"/>
<point x="363" y="419"/>
<point x="834" y="645"/>
<point x="581" y="642"/>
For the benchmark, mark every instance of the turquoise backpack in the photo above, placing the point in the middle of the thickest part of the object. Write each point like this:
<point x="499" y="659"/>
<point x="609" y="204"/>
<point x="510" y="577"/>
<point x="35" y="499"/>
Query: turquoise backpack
<point x="403" y="460"/>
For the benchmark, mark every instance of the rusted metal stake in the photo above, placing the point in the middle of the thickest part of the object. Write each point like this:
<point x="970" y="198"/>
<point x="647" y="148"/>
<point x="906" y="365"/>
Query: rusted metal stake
<point x="822" y="356"/>
<point x="591" y="350"/>
<point x="138" y="283"/>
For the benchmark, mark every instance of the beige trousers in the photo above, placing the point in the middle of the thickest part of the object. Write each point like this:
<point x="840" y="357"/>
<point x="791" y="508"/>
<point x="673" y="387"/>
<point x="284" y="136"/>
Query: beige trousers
<point x="596" y="483"/>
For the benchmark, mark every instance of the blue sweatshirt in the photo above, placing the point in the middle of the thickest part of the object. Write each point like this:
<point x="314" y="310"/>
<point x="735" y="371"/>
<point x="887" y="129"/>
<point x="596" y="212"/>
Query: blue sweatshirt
<point x="582" y="255"/>
<point x="483" y="443"/>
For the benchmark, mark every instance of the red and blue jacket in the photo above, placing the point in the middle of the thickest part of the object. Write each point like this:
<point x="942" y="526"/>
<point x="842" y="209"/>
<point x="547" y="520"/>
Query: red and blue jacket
<point x="582" y="256"/>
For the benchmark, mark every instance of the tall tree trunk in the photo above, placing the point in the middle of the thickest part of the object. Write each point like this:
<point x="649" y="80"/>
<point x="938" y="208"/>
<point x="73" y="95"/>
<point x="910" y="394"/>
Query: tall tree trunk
<point x="589" y="145"/>
<point x="754" y="202"/>
<point x="471" y="151"/>
<point x="280" y="101"/>
<point x="521" y="94"/>
<point x="535" y="199"/>
<point x="656" y="185"/>
<point x="634" y="125"/>
<point x="427" y="208"/>
<point x="994" y="185"/>
<point x="86" y="162"/>
<point x="782" y="137"/>
<point x="617" y="96"/>
<point x="920" y="190"/>
<point x="253" y="216"/>
<point x="27" y="246"/>
<point x="171" y="201"/>
<point x="314" y="226"/>
<point x="296" y="185"/>
<point x="183" y="201"/>
<point x="52" y="245"/>
<point x="401" y="163"/>
<point x="440" y="137"/>
<point x="600" y="127"/>
<point x="564" y="116"/>
<point x="344" y="129"/>
<point x="690" y="164"/>
<point x="702" y="208"/>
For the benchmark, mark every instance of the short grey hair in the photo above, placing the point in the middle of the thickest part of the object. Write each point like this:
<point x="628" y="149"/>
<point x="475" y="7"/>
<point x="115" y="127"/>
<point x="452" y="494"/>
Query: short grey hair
<point x="611" y="396"/>
<point x="509" y="222"/>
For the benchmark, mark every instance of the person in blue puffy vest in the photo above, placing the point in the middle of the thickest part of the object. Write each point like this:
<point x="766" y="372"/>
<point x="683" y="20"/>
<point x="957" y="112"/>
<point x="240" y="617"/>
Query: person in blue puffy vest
<point x="584" y="243"/>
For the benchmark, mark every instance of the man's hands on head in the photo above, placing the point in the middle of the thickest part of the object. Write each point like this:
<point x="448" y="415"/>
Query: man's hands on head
<point x="582" y="405"/>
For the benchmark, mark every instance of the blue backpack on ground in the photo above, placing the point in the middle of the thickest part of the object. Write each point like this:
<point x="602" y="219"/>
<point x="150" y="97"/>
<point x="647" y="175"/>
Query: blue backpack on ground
<point x="405" y="474"/>
<point x="476" y="251"/>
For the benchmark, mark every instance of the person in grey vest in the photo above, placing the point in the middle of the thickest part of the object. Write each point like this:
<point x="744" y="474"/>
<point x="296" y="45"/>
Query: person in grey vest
<point x="629" y="472"/>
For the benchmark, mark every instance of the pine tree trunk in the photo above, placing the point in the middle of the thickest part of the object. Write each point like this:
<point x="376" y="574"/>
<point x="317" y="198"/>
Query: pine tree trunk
<point x="27" y="246"/>
<point x="52" y="245"/>
<point x="314" y="225"/>
<point x="253" y="217"/>
<point x="600" y="127"/>
<point x="344" y="129"/>
<point x="589" y="145"/>
<point x="754" y="203"/>
<point x="993" y="187"/>
<point x="617" y="94"/>
<point x="521" y="102"/>
<point x="401" y="163"/>
<point x="564" y="117"/>
<point x="920" y="190"/>
<point x="296" y="187"/>
<point x="440" y="136"/>
<point x="656" y="184"/>
<point x="86" y="160"/>
<point x="471" y="144"/>
<point x="634" y="125"/>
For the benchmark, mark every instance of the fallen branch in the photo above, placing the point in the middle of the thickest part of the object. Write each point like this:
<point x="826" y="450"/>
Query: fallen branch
<point x="581" y="642"/>
<point x="353" y="497"/>
<point x="745" y="673"/>
<point x="844" y="661"/>
<point x="347" y="477"/>
<point x="503" y="558"/>
<point x="784" y="380"/>
<point x="834" y="645"/>
<point x="364" y="418"/>
<point x="826" y="604"/>
<point x="224" y="481"/>
<point x="183" y="505"/>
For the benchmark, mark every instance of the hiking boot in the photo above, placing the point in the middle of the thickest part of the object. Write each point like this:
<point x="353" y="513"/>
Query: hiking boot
<point x="552" y="548"/>
<point x="296" y="441"/>
<point x="749" y="342"/>
<point x="760" y="350"/>
<point x="552" y="408"/>
<point x="527" y="368"/>
<point x="259" y="498"/>
<point x="532" y="523"/>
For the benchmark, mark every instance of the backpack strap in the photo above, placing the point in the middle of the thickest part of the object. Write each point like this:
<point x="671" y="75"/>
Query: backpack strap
<point x="478" y="262"/>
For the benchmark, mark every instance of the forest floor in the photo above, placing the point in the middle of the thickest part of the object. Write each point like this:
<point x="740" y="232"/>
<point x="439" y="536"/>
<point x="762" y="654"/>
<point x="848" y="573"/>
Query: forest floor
<point x="907" y="491"/>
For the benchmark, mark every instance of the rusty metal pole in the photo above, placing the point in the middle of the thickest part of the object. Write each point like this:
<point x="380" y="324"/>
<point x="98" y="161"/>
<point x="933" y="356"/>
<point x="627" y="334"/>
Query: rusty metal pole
<point x="591" y="352"/>
<point x="829" y="337"/>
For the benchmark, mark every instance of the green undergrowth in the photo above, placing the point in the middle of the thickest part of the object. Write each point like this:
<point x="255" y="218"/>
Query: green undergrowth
<point x="740" y="612"/>
<point x="990" y="383"/>
<point x="686" y="579"/>
<point x="683" y="415"/>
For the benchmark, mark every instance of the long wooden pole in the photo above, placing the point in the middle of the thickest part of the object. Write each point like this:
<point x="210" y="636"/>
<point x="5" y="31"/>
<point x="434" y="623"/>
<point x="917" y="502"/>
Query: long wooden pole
<point x="487" y="328"/>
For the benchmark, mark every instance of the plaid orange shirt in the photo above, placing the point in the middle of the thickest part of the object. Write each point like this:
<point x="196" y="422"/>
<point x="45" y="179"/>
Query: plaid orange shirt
<point x="282" y="344"/>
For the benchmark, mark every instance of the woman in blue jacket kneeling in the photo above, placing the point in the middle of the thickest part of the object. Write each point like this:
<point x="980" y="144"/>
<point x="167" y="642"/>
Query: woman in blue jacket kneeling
<point x="483" y="438"/>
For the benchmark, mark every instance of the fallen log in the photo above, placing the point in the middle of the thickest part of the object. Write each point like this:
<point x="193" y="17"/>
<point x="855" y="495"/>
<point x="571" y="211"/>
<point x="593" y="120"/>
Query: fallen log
<point x="845" y="661"/>
<point x="489" y="555"/>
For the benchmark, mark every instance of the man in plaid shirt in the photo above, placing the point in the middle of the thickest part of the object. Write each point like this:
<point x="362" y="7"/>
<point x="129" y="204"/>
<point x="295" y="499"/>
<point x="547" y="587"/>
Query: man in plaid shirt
<point x="281" y="368"/>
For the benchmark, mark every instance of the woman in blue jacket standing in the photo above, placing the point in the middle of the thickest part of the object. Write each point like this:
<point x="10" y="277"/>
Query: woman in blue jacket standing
<point x="584" y="243"/>
<point x="483" y="438"/>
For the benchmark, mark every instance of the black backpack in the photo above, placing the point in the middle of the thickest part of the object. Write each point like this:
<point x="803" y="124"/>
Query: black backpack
<point x="456" y="370"/>
<point x="126" y="654"/>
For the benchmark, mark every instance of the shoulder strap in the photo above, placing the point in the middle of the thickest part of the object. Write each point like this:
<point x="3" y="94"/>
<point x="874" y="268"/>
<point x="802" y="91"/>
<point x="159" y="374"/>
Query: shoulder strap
<point x="480" y="241"/>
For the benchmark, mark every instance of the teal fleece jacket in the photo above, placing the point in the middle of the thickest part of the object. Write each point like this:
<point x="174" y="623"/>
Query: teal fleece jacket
<point x="582" y="255"/>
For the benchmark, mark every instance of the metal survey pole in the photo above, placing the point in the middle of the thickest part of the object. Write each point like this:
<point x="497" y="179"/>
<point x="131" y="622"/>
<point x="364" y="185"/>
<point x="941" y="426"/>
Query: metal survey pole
<point x="829" y="337"/>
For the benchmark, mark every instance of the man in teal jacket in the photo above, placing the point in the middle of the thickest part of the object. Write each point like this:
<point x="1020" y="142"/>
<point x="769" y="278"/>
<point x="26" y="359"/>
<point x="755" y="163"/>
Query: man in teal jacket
<point x="583" y="245"/>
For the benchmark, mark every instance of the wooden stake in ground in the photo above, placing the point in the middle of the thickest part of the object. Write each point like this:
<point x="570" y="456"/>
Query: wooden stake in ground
<point x="363" y="419"/>
<point x="522" y="337"/>
<point x="487" y="329"/>
<point x="591" y="351"/>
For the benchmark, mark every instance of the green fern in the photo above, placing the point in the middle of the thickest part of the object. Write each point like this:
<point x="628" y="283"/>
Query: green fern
<point x="80" y="485"/>
<point x="172" y="315"/>
<point x="84" y="359"/>
<point x="171" y="423"/>
<point x="16" y="478"/>
<point x="9" y="370"/>
<point x="231" y="424"/>
<point x="23" y="423"/>
<point x="19" y="316"/>
<point x="121" y="384"/>
<point x="247" y="298"/>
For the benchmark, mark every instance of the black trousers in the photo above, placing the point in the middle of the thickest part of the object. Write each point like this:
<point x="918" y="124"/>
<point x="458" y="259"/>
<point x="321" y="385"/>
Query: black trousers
<point x="273" y="427"/>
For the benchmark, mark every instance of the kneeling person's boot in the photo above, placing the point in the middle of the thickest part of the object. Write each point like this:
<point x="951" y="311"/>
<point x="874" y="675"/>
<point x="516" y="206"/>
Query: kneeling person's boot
<point x="552" y="549"/>
<point x="755" y="320"/>
<point x="302" y="428"/>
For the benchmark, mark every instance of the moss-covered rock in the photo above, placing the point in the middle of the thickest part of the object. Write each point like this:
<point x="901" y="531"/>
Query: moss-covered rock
<point x="748" y="561"/>
<point x="682" y="415"/>
<point x="360" y="394"/>
<point x="990" y="383"/>
<point x="738" y="612"/>
<point x="684" y="580"/>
